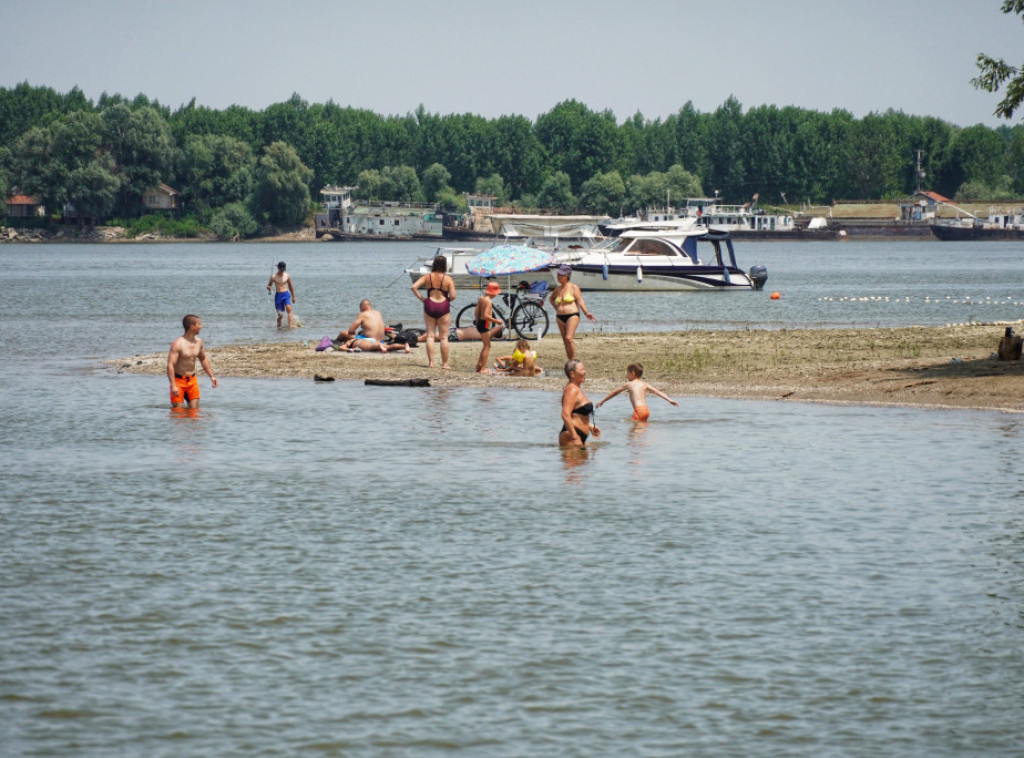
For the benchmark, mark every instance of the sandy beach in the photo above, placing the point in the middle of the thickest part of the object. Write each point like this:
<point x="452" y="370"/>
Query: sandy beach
<point x="934" y="367"/>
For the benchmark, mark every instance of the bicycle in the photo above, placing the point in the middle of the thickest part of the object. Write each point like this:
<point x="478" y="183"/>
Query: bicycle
<point x="529" y="319"/>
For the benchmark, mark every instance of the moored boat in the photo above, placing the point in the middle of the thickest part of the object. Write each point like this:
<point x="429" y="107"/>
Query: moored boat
<point x="668" y="259"/>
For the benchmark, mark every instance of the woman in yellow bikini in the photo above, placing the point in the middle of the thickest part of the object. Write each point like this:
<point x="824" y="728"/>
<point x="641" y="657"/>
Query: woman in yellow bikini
<point x="568" y="301"/>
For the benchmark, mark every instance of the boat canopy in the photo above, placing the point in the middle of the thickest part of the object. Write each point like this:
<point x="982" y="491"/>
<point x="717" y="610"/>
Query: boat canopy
<point x="716" y="238"/>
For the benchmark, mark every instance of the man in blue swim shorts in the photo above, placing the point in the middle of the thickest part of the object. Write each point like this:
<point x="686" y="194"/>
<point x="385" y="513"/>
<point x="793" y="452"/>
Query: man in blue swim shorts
<point x="284" y="294"/>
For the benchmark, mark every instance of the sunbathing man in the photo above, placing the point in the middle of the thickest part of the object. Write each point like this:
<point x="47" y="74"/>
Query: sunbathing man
<point x="470" y="333"/>
<point x="366" y="335"/>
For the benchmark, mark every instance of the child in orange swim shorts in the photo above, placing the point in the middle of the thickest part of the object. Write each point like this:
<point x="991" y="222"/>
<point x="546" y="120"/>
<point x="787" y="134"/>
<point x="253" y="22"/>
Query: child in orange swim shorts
<point x="638" y="390"/>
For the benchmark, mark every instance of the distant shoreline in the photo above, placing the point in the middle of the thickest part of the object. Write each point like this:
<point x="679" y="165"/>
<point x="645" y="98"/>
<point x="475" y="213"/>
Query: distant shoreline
<point x="928" y="367"/>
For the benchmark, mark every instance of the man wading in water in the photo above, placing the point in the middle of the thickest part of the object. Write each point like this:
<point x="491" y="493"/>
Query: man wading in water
<point x="181" y="365"/>
<point x="284" y="295"/>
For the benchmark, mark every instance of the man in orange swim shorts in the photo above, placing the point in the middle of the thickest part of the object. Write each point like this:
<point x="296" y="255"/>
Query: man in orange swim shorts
<point x="181" y="365"/>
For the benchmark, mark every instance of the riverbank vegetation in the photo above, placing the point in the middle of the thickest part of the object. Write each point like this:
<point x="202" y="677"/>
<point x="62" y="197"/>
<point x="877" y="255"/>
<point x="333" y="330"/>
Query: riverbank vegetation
<point x="240" y="171"/>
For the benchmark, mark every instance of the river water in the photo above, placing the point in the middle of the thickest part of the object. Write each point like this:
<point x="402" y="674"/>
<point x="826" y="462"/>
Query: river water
<point x="341" y="570"/>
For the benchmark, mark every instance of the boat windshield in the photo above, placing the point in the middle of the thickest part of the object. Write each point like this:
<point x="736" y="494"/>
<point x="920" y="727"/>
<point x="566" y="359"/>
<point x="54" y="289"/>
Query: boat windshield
<point x="643" y="246"/>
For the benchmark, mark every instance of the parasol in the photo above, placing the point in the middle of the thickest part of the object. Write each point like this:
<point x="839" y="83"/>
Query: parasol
<point x="508" y="259"/>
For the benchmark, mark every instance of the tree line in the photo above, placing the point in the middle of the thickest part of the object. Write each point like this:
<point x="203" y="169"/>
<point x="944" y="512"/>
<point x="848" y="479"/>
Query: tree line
<point x="238" y="168"/>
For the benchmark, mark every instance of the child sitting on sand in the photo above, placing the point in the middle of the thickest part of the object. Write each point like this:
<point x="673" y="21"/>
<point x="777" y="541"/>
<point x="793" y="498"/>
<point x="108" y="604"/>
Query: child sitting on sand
<point x="521" y="362"/>
<point x="638" y="390"/>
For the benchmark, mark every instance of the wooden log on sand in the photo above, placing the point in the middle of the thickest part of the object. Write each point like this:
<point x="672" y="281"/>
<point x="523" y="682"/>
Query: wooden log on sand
<point x="398" y="382"/>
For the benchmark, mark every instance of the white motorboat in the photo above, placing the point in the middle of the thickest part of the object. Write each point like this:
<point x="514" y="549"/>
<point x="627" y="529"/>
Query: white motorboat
<point x="663" y="259"/>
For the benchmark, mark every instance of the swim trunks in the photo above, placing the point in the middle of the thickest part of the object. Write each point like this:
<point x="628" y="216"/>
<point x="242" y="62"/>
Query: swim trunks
<point x="453" y="334"/>
<point x="641" y="413"/>
<point x="186" y="388"/>
<point x="481" y="325"/>
<point x="281" y="299"/>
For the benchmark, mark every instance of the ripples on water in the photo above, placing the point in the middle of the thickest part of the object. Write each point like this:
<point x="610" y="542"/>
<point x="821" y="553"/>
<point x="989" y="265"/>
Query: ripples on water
<point x="348" y="570"/>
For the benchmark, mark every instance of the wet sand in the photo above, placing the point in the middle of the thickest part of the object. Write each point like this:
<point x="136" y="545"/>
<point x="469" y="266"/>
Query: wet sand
<point x="934" y="367"/>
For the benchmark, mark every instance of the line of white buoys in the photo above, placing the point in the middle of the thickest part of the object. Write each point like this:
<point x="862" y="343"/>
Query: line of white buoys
<point x="929" y="299"/>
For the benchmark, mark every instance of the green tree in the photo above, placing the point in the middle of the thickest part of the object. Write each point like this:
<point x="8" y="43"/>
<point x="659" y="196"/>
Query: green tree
<point x="66" y="164"/>
<point x="975" y="156"/>
<point x="233" y="221"/>
<point x="369" y="185"/>
<point x="996" y="72"/>
<point x="139" y="144"/>
<point x="647" y="192"/>
<point x="214" y="170"/>
<point x="93" y="189"/>
<point x="725" y="150"/>
<point x="680" y="184"/>
<point x="435" y="182"/>
<point x="34" y="169"/>
<point x="577" y="141"/>
<point x="556" y="194"/>
<point x="689" y="130"/>
<point x="5" y="187"/>
<point x="281" y="191"/>
<point x="403" y="183"/>
<point x="517" y="155"/>
<point x="603" y="194"/>
<point x="492" y="185"/>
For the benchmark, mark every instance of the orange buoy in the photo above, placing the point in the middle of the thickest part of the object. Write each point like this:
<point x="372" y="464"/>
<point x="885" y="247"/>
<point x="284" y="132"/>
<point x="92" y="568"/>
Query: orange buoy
<point x="776" y="296"/>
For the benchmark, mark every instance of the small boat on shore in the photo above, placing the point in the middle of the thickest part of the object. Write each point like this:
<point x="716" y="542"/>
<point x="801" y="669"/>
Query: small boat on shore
<point x="669" y="258"/>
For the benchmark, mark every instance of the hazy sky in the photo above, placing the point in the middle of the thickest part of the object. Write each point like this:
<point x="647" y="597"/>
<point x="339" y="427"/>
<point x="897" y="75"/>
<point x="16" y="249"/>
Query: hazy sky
<point x="520" y="57"/>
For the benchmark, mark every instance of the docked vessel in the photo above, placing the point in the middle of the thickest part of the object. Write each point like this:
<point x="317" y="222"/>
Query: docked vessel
<point x="343" y="219"/>
<point x="745" y="221"/>
<point x="998" y="226"/>
<point x="663" y="259"/>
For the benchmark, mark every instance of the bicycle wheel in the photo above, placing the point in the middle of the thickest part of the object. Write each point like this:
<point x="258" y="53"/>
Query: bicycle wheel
<point x="465" y="317"/>
<point x="530" y="320"/>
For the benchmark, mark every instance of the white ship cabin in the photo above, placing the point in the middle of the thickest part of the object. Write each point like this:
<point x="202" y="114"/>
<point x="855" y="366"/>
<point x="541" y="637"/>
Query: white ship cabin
<point x="737" y="218"/>
<point x="333" y="196"/>
<point x="1005" y="219"/>
<point x="392" y="219"/>
<point x="480" y="203"/>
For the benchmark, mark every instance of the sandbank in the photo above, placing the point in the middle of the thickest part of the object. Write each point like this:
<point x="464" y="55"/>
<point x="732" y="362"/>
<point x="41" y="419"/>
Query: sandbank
<point x="949" y="366"/>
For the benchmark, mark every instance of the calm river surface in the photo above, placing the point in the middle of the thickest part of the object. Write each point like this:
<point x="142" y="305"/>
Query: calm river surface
<point x="341" y="570"/>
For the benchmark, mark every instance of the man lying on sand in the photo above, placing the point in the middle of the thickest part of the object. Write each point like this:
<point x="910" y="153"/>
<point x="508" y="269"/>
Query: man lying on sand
<point x="366" y="334"/>
<point x="469" y="333"/>
<point x="360" y="343"/>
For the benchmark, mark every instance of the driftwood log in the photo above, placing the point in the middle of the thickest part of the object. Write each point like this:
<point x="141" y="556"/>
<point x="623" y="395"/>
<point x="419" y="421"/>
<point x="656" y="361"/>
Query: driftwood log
<point x="398" y="382"/>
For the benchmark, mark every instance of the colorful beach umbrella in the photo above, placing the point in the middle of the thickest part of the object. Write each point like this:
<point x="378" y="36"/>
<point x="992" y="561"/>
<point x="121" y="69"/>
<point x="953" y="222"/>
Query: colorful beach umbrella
<point x="508" y="259"/>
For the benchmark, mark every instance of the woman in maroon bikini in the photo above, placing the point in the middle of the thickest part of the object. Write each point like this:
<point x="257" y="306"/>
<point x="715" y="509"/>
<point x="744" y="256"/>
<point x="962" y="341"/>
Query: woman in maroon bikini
<point x="437" y="306"/>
